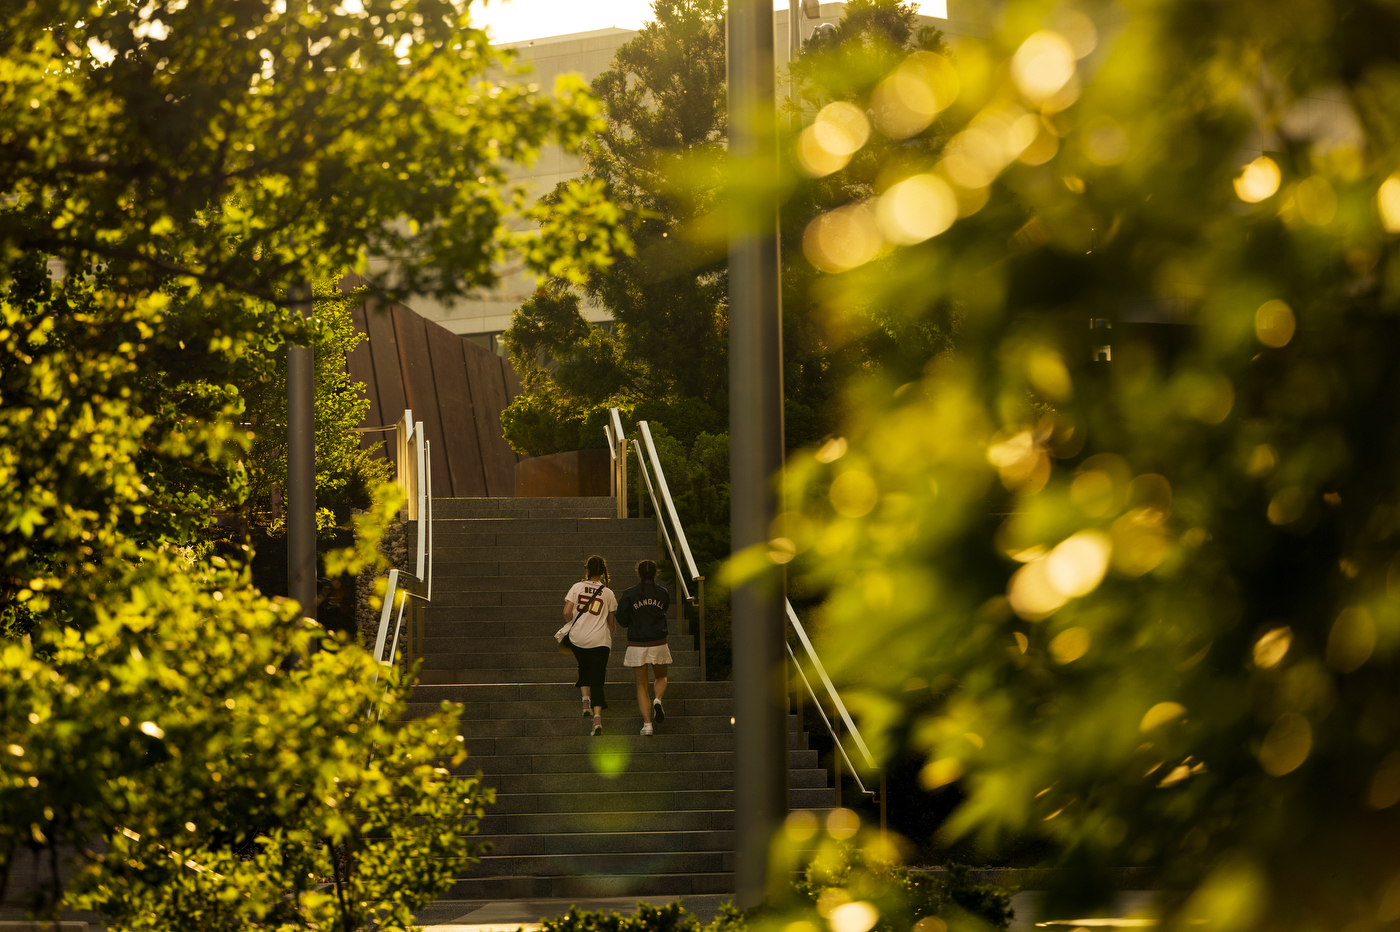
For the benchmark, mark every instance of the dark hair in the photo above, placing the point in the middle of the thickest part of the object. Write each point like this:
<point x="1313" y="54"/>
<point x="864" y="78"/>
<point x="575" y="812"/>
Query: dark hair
<point x="597" y="566"/>
<point x="646" y="570"/>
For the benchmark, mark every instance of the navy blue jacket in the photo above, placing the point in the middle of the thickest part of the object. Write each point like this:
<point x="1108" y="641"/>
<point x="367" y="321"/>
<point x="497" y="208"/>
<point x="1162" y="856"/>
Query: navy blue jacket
<point x="642" y="611"/>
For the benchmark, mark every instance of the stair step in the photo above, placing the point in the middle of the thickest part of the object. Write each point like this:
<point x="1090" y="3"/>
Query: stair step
<point x="613" y="842"/>
<point x="586" y="507"/>
<point x="627" y="781"/>
<point x="474" y="729"/>
<point x="596" y="540"/>
<point x="546" y="655"/>
<point x="443" y="526"/>
<point x="622" y="753"/>
<point x="649" y="863"/>
<point x="550" y="692"/>
<point x="818" y="798"/>
<point x="582" y="886"/>
<point x="623" y="555"/>
<point x="540" y="639"/>
<point x="602" y="822"/>
<point x="615" y="675"/>
<point x="577" y="743"/>
<point x="568" y="708"/>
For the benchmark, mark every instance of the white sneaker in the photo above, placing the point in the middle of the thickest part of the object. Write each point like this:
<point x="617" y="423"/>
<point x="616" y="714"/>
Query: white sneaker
<point x="646" y="729"/>
<point x="658" y="714"/>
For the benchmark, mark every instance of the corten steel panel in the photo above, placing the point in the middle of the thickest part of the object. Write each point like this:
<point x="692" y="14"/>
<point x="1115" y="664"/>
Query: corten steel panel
<point x="488" y="387"/>
<point x="459" y="439"/>
<point x="563" y="475"/>
<point x="421" y="390"/>
<point x="361" y="367"/>
<point x="384" y="350"/>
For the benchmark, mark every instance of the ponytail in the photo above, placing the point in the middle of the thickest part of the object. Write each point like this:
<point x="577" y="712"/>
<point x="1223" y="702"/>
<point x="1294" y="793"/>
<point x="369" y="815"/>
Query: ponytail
<point x="597" y="566"/>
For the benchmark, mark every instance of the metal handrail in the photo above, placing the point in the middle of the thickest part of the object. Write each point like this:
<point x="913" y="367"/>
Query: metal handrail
<point x="660" y="525"/>
<point x="415" y="477"/>
<point x="822" y="712"/>
<point x="826" y="681"/>
<point x="645" y="428"/>
<point x="835" y="697"/>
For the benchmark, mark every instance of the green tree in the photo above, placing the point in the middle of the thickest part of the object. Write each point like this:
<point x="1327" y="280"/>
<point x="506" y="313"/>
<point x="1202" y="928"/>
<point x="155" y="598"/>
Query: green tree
<point x="345" y="473"/>
<point x="1141" y="607"/>
<point x="665" y="356"/>
<point x="186" y="164"/>
<point x="660" y="158"/>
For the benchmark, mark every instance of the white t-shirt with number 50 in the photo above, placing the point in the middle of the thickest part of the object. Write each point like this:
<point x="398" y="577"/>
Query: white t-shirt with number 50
<point x="591" y="630"/>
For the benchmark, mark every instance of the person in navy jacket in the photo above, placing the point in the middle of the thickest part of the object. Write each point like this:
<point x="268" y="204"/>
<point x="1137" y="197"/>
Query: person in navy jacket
<point x="642" y="611"/>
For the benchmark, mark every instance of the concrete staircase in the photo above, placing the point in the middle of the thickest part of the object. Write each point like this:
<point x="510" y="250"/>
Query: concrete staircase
<point x="617" y="815"/>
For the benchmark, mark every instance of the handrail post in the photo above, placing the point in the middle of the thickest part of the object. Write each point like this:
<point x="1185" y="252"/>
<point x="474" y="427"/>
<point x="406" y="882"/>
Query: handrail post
<point x="801" y="705"/>
<point x="884" y="820"/>
<point x="836" y="758"/>
<point x="700" y="635"/>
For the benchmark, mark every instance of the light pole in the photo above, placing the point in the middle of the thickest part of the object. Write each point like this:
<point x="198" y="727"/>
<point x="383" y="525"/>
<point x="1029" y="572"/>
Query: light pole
<point x="756" y="449"/>
<point x="301" y="464"/>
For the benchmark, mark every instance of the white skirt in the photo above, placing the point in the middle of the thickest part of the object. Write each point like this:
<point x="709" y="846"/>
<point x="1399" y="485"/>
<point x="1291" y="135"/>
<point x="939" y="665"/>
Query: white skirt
<point x="640" y="656"/>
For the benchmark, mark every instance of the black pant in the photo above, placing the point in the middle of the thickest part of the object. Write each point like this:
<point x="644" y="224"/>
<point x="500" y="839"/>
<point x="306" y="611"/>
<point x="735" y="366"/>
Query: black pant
<point x="592" y="670"/>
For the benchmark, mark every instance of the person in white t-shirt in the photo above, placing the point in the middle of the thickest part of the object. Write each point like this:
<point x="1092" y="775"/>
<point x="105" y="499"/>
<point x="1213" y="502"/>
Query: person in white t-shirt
<point x="594" y="605"/>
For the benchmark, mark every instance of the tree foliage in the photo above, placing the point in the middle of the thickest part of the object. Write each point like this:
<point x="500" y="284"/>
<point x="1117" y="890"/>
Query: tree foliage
<point x="665" y="357"/>
<point x="345" y="473"/>
<point x="168" y="172"/>
<point x="1142" y="607"/>
<point x="660" y="157"/>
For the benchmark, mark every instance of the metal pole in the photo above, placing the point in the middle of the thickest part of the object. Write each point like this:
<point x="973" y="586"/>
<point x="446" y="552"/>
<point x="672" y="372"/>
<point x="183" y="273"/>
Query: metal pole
<point x="794" y="45"/>
<point x="884" y="819"/>
<point x="756" y="451"/>
<point x="301" y="465"/>
<point x="700" y="634"/>
<point x="836" y="757"/>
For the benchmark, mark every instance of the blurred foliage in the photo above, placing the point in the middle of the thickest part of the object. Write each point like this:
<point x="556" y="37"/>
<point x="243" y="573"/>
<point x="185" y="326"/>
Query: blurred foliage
<point x="1122" y="564"/>
<point x="842" y="873"/>
<point x="169" y="172"/>
<point x="876" y="893"/>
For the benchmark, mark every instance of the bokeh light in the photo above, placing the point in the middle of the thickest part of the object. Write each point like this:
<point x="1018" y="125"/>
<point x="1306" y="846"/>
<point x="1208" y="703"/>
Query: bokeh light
<point x="1315" y="200"/>
<point x="1287" y="745"/>
<point x="1259" y="180"/>
<point x="1274" y="323"/>
<point x="1388" y="203"/>
<point x="800" y="825"/>
<point x="1043" y="65"/>
<point x="1160" y="714"/>
<point x="841" y="239"/>
<point x="916" y="209"/>
<point x="854" y="493"/>
<point x="906" y="102"/>
<point x="1270" y="649"/>
<point x="859" y="916"/>
<point x="842" y="824"/>
<point x="940" y="772"/>
<point x="1351" y="640"/>
<point x="1070" y="644"/>
<point x="1077" y="564"/>
<point x="610" y="755"/>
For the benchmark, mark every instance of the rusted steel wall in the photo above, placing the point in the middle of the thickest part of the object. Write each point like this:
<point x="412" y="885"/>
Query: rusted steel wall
<point x="456" y="388"/>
